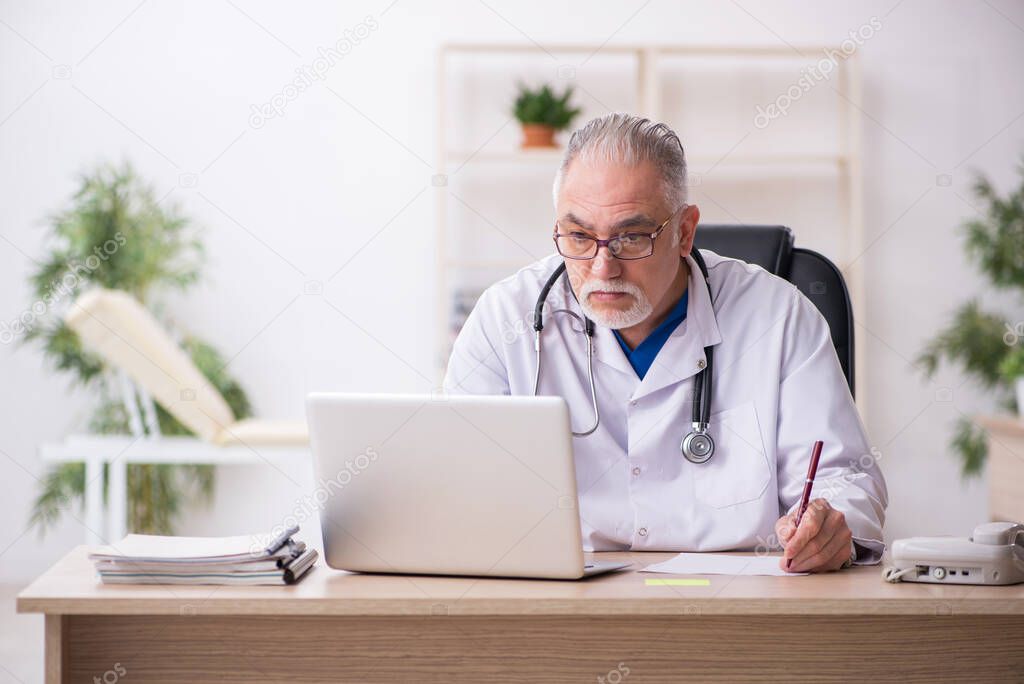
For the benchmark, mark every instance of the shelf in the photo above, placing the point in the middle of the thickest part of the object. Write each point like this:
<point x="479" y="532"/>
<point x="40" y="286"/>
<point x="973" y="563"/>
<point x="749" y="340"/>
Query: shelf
<point x="555" y="155"/>
<point x="548" y="155"/>
<point x="1005" y="425"/>
<point x="768" y="160"/>
<point x="786" y="51"/>
<point x="487" y="263"/>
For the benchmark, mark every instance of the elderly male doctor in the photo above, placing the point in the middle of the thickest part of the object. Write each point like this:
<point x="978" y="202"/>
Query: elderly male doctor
<point x="625" y="234"/>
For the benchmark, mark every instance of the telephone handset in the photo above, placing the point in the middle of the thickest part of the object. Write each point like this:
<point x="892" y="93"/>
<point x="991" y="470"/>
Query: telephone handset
<point x="993" y="554"/>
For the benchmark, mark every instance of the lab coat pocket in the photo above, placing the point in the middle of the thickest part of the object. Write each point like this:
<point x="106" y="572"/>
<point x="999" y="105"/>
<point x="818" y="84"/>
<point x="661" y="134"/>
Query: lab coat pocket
<point x="738" y="471"/>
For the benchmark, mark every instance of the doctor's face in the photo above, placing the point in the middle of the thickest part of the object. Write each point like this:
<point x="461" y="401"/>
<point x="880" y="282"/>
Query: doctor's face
<point x="606" y="199"/>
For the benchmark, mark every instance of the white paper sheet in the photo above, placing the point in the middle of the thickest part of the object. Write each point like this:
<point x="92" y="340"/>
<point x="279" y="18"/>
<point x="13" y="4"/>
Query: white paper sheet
<point x="185" y="549"/>
<point x="721" y="564"/>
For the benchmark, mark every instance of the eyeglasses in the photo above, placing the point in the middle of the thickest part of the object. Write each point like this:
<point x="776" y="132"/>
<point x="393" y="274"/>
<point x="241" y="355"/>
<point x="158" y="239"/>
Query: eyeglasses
<point x="628" y="246"/>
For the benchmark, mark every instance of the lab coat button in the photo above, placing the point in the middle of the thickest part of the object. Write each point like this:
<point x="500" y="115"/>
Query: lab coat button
<point x="642" y="531"/>
<point x="701" y="364"/>
<point x="636" y="471"/>
<point x="633" y="402"/>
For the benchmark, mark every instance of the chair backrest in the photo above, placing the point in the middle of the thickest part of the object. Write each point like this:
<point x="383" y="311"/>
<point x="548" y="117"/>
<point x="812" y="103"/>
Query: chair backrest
<point x="771" y="248"/>
<point x="115" y="326"/>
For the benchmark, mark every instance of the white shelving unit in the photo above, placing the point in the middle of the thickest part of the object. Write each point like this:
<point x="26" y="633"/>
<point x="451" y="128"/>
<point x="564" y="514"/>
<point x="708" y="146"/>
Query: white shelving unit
<point x="803" y="169"/>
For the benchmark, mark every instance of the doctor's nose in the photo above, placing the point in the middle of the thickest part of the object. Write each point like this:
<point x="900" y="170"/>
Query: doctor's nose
<point x="605" y="264"/>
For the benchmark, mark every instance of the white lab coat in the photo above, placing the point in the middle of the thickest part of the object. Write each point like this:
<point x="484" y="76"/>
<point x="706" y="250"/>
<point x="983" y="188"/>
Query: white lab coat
<point x="778" y="387"/>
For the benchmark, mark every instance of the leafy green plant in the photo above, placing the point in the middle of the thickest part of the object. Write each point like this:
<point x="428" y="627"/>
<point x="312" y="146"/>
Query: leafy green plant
<point x="1011" y="368"/>
<point x="987" y="346"/>
<point x="542" y="106"/>
<point x="116" y="234"/>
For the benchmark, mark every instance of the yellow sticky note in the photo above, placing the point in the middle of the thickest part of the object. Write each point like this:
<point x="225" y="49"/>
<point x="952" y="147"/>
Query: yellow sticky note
<point x="677" y="582"/>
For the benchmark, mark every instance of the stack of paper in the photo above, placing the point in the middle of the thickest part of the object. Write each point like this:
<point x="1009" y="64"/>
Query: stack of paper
<point x="250" y="559"/>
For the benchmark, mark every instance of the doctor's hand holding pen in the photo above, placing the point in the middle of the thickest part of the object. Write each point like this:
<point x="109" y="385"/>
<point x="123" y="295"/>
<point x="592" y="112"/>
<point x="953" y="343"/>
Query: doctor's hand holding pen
<point x="821" y="543"/>
<point x="815" y="537"/>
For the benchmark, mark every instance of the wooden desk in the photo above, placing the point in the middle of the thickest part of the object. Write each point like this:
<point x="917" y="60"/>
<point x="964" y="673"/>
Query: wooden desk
<point x="336" y="626"/>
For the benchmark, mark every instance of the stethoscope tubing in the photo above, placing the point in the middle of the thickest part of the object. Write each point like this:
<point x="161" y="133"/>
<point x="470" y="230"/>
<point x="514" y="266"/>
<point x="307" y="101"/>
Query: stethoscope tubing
<point x="702" y="384"/>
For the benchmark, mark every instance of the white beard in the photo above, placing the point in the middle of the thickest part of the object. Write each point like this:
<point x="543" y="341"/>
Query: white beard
<point x="615" y="319"/>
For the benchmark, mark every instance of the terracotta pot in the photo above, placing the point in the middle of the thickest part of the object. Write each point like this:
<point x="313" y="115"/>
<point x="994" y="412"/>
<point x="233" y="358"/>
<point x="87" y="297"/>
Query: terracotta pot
<point x="538" y="135"/>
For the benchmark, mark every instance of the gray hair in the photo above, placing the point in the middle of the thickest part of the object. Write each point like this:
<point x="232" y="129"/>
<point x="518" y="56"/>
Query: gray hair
<point x="629" y="140"/>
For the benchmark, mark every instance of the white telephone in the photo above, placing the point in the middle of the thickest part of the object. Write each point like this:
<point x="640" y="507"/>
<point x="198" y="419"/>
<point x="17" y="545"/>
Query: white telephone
<point x="994" y="554"/>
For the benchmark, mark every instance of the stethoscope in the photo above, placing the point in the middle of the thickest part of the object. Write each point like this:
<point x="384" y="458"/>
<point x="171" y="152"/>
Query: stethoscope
<point x="697" y="446"/>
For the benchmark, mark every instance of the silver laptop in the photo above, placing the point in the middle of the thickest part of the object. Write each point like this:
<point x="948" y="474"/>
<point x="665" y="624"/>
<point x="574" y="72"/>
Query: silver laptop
<point x="452" y="485"/>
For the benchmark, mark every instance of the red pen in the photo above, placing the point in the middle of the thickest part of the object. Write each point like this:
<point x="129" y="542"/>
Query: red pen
<point x="812" y="470"/>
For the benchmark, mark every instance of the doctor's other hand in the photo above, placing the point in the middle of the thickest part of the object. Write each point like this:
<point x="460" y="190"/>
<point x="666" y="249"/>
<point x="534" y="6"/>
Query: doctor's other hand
<point x="821" y="543"/>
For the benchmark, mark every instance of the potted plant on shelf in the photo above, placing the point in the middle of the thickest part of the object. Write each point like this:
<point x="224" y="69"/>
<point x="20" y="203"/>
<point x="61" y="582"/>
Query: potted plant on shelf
<point x="542" y="113"/>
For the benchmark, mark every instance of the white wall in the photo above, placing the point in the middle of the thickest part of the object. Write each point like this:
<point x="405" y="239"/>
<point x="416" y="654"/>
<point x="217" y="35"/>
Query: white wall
<point x="170" y="88"/>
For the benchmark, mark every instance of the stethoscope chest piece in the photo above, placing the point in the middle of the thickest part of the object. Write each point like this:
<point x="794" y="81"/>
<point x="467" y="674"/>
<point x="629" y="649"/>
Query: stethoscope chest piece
<point x="697" y="446"/>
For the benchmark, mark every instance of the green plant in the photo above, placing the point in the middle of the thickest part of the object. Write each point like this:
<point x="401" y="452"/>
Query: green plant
<point x="542" y="106"/>
<point x="116" y="235"/>
<point x="981" y="342"/>
<point x="1011" y="368"/>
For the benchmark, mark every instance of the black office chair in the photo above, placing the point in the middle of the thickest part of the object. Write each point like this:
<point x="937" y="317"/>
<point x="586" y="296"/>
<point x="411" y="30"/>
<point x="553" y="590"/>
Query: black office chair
<point x="771" y="247"/>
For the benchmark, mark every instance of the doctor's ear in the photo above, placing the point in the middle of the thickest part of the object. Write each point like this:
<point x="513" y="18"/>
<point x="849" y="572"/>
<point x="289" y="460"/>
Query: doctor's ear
<point x="687" y="228"/>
